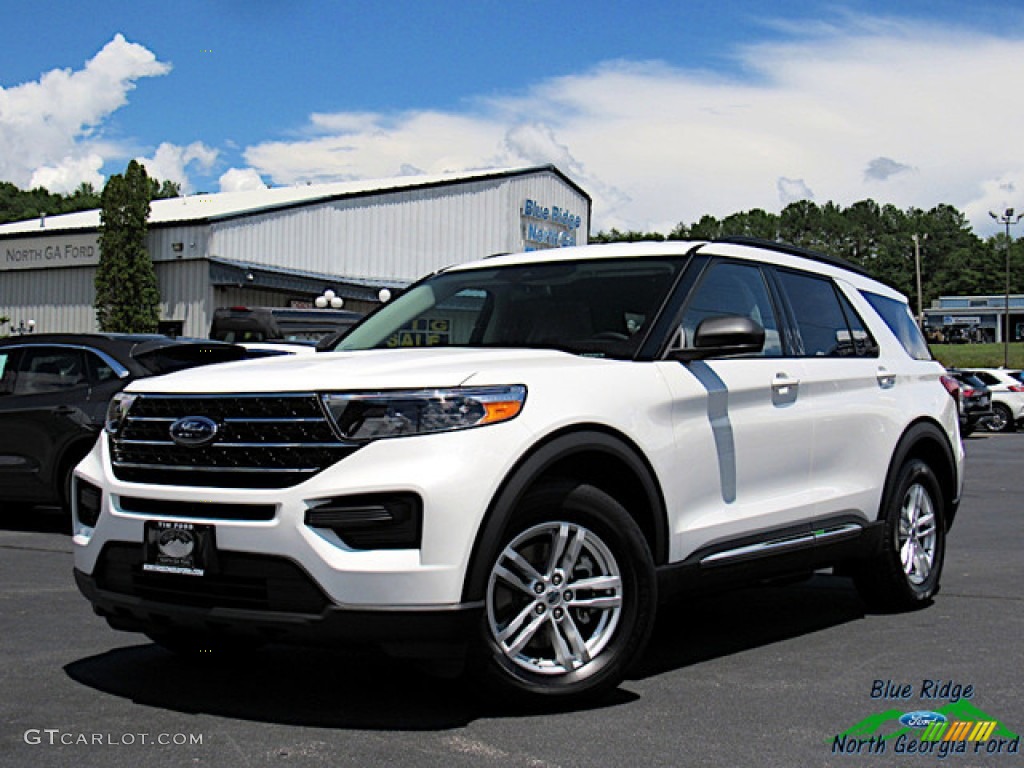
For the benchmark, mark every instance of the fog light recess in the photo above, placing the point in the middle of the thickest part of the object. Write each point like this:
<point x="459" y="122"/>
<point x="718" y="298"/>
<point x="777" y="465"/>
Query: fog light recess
<point x="88" y="502"/>
<point x="371" y="521"/>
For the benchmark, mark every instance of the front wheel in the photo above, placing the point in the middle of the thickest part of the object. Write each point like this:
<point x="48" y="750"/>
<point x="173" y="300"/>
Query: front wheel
<point x="570" y="597"/>
<point x="905" y="574"/>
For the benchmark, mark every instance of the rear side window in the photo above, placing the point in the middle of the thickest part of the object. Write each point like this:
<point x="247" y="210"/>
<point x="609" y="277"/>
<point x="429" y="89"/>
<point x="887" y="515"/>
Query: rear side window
<point x="896" y="315"/>
<point x="828" y="325"/>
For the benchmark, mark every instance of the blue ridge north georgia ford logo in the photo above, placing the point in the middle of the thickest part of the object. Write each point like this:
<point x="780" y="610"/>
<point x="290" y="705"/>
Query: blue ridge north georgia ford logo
<point x="194" y="431"/>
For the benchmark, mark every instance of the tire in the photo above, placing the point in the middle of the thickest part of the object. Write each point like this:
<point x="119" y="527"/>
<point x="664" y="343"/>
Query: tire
<point x="570" y="598"/>
<point x="904" y="575"/>
<point x="1002" y="419"/>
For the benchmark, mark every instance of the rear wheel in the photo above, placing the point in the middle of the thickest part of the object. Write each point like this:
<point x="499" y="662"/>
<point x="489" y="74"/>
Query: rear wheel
<point x="1001" y="420"/>
<point x="570" y="597"/>
<point x="905" y="574"/>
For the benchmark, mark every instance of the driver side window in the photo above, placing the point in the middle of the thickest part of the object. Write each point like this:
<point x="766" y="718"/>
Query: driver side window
<point x="729" y="288"/>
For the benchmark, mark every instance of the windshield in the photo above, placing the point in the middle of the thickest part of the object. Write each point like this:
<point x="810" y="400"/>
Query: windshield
<point x="597" y="307"/>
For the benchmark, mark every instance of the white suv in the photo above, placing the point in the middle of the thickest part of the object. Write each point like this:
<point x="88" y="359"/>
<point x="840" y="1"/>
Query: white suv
<point x="518" y="457"/>
<point x="1007" y="388"/>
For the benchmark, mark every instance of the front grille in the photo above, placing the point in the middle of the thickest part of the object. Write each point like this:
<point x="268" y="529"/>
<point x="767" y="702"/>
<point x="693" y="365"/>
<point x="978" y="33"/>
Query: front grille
<point x="242" y="580"/>
<point x="262" y="441"/>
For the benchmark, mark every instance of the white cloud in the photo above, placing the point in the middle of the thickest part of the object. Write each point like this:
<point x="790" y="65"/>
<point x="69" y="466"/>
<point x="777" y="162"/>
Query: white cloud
<point x="793" y="190"/>
<point x="655" y="145"/>
<point x="49" y="128"/>
<point x="66" y="175"/>
<point x="169" y="162"/>
<point x="241" y="180"/>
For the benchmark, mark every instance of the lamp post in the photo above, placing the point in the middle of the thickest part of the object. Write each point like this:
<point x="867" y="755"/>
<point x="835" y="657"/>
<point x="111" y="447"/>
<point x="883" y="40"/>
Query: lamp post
<point x="917" y="265"/>
<point x="1007" y="218"/>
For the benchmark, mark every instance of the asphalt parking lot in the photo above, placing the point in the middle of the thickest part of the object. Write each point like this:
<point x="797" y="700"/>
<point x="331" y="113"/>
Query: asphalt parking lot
<point x="760" y="677"/>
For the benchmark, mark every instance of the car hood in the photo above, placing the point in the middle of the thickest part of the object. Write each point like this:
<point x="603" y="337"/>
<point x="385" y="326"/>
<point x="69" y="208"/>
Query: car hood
<point x="365" y="370"/>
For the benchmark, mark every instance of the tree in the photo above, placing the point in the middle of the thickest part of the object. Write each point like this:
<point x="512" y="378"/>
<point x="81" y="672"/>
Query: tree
<point x="127" y="297"/>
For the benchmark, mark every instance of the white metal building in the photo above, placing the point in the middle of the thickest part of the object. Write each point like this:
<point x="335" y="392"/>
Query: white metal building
<point x="287" y="245"/>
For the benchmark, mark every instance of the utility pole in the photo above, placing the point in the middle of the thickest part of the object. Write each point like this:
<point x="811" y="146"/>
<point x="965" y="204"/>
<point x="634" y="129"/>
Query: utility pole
<point x="917" y="264"/>
<point x="1007" y="218"/>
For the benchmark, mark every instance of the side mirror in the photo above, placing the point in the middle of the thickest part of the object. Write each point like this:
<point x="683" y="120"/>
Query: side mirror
<point x="722" y="336"/>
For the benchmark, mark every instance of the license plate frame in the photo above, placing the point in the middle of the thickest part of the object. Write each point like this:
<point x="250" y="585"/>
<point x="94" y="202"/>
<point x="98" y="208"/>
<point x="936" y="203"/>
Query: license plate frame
<point x="177" y="548"/>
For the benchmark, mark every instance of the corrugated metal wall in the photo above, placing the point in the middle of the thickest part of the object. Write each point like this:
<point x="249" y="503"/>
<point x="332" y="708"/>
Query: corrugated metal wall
<point x="399" y="236"/>
<point x="57" y="299"/>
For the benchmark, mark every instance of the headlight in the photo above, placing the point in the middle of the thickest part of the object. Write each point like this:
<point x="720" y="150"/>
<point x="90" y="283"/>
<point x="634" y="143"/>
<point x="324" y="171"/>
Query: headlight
<point x="117" y="410"/>
<point x="364" y="416"/>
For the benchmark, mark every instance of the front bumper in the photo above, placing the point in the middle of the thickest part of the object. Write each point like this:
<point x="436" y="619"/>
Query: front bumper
<point x="454" y="474"/>
<point x="427" y="632"/>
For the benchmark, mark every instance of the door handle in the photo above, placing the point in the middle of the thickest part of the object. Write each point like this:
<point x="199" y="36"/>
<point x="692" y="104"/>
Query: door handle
<point x="784" y="384"/>
<point x="886" y="380"/>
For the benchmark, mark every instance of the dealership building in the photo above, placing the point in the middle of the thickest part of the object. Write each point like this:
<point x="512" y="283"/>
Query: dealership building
<point x="288" y="245"/>
<point x="977" y="318"/>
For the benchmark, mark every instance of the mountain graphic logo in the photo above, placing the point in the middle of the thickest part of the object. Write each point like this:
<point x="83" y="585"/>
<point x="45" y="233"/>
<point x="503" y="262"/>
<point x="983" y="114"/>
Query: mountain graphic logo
<point x="886" y="725"/>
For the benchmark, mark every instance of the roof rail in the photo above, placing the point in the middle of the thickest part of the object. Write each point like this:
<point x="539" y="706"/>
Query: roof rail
<point x="794" y="250"/>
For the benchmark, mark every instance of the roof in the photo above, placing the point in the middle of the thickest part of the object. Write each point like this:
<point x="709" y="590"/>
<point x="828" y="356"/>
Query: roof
<point x="194" y="209"/>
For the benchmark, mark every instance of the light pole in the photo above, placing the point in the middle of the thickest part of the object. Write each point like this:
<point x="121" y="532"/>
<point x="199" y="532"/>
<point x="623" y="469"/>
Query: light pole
<point x="1007" y="218"/>
<point x="917" y="264"/>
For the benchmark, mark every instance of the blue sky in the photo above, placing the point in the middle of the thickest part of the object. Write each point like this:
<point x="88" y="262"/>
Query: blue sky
<point x="663" y="111"/>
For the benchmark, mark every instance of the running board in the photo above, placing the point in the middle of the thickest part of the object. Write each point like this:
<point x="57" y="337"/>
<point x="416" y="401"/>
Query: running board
<point x="777" y="546"/>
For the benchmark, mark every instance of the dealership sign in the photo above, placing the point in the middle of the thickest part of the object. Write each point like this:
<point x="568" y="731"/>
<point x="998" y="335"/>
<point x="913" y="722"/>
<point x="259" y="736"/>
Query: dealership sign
<point x="62" y="250"/>
<point x="548" y="226"/>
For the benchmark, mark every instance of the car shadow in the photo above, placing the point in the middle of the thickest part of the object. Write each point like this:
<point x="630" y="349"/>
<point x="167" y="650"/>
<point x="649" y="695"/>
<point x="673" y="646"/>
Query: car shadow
<point x="692" y="630"/>
<point x="28" y="519"/>
<point x="363" y="689"/>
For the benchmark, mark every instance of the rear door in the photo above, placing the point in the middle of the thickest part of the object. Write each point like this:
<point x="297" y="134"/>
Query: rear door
<point x="46" y="409"/>
<point x="847" y="391"/>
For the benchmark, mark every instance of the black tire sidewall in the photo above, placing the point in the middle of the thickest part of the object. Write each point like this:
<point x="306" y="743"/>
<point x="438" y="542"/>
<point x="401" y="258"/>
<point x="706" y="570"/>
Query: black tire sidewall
<point x="1007" y="418"/>
<point x="598" y="512"/>
<point x="914" y="472"/>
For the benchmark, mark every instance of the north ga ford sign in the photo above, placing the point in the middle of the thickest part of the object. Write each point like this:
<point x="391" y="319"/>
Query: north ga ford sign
<point x="48" y="252"/>
<point x="548" y="227"/>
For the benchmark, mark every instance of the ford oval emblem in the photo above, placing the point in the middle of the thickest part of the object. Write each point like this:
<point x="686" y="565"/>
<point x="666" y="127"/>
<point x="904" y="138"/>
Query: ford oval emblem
<point x="922" y="719"/>
<point x="194" y="431"/>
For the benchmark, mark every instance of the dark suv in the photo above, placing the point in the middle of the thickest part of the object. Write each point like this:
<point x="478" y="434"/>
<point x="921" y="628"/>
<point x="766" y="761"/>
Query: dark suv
<point x="54" y="390"/>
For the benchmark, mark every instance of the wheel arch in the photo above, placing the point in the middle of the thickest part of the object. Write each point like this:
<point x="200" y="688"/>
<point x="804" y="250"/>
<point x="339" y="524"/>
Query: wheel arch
<point x="70" y="456"/>
<point x="587" y="453"/>
<point x="924" y="439"/>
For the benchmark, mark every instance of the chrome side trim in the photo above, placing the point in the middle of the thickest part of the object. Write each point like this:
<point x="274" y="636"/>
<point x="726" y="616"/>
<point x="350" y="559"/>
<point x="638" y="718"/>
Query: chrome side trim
<point x="799" y="541"/>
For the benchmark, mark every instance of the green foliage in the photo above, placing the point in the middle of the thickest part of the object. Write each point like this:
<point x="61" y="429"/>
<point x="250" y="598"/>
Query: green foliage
<point x="127" y="297"/>
<point x="880" y="238"/>
<point x="631" y="236"/>
<point x="21" y="205"/>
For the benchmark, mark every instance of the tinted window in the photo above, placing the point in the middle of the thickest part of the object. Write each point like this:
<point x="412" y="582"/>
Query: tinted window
<point x="821" y="318"/>
<point x="6" y="373"/>
<point x="49" y="369"/>
<point x="733" y="289"/>
<point x="599" y="307"/>
<point x="99" y="369"/>
<point x="863" y="342"/>
<point x="896" y="315"/>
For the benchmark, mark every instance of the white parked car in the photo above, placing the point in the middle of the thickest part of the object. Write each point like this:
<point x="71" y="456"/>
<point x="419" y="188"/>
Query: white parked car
<point x="1007" y="391"/>
<point x="518" y="457"/>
